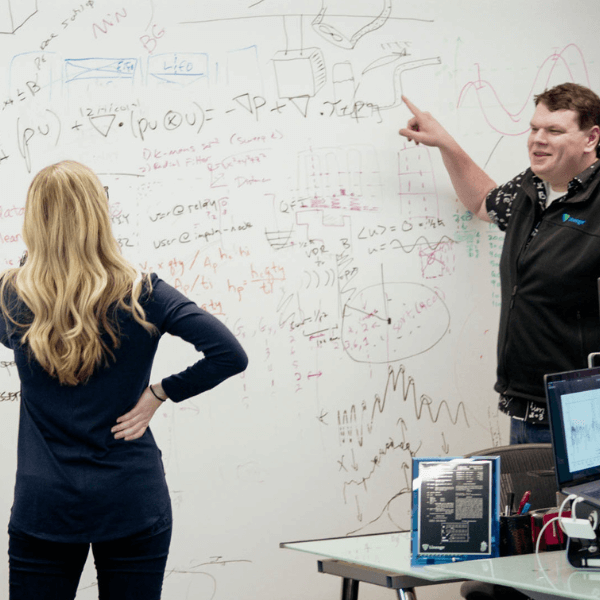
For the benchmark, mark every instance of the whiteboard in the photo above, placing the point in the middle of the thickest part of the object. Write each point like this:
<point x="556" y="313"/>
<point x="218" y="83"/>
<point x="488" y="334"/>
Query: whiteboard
<point x="251" y="152"/>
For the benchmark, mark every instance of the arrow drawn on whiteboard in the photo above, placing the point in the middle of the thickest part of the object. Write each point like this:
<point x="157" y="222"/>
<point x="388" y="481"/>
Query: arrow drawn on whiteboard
<point x="322" y="416"/>
<point x="359" y="515"/>
<point x="354" y="463"/>
<point x="445" y="446"/>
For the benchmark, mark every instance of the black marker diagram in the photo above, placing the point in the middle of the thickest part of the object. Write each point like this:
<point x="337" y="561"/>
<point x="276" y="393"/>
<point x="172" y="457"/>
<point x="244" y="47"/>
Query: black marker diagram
<point x="299" y="73"/>
<point x="389" y="322"/>
<point x="344" y="84"/>
<point x="337" y="27"/>
<point x="376" y="78"/>
<point x="302" y="72"/>
<point x="14" y="13"/>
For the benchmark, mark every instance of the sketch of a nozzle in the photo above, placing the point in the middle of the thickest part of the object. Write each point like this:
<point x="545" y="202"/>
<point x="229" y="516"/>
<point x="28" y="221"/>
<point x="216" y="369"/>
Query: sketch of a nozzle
<point x="334" y="24"/>
<point x="377" y="74"/>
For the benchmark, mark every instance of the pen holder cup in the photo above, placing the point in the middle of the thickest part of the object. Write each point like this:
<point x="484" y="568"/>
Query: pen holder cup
<point x="515" y="535"/>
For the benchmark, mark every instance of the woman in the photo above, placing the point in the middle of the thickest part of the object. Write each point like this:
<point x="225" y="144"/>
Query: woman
<point x="84" y="328"/>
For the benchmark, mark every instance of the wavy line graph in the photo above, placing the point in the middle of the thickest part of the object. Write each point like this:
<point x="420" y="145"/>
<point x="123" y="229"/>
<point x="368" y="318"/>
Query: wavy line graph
<point x="495" y="113"/>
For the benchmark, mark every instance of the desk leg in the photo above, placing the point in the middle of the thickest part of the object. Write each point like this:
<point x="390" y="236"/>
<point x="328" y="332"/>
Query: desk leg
<point x="349" y="589"/>
<point x="407" y="594"/>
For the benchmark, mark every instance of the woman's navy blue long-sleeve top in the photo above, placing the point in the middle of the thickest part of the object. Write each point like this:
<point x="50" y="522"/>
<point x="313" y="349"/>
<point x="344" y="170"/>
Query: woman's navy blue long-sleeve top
<point x="75" y="482"/>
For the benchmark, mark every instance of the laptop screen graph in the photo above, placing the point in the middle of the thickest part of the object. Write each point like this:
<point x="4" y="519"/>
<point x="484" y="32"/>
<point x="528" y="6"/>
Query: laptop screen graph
<point x="581" y="414"/>
<point x="574" y="409"/>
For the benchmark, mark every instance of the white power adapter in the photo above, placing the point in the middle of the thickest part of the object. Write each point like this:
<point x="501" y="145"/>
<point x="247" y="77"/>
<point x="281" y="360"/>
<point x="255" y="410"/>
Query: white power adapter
<point x="578" y="528"/>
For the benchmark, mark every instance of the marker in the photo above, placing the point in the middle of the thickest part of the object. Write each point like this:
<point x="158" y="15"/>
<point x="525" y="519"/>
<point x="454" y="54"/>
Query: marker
<point x="525" y="508"/>
<point x="510" y="503"/>
<point x="523" y="502"/>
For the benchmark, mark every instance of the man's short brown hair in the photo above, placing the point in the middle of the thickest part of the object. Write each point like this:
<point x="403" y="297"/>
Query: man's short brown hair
<point x="572" y="96"/>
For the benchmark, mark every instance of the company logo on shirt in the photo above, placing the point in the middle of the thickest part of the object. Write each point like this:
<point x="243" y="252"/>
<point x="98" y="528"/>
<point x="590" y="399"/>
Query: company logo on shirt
<point x="568" y="218"/>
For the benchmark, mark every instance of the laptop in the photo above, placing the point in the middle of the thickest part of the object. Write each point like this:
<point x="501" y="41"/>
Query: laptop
<point x="574" y="412"/>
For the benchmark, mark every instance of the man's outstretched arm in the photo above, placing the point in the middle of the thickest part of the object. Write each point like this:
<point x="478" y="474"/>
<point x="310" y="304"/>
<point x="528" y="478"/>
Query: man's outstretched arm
<point x="470" y="182"/>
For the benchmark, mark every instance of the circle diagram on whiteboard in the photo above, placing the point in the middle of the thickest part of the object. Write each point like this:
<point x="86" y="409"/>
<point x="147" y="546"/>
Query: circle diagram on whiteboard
<point x="391" y="322"/>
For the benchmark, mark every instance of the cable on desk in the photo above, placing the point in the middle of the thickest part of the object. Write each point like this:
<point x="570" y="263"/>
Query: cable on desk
<point x="557" y="518"/>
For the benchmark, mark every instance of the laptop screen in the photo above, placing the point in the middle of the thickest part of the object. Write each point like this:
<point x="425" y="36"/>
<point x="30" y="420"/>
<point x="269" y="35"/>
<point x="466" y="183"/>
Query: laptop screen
<point x="574" y="409"/>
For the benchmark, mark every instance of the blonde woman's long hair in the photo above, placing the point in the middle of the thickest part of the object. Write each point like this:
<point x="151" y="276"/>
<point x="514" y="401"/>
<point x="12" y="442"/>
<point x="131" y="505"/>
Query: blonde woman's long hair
<point x="75" y="279"/>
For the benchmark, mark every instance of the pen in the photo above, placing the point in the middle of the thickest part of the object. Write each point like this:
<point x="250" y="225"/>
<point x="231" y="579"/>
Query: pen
<point x="509" y="504"/>
<point x="525" y="509"/>
<point x="523" y="502"/>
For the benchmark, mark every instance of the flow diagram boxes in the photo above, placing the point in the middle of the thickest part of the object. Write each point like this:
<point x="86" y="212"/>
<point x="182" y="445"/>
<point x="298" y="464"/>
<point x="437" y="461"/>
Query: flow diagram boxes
<point x="299" y="72"/>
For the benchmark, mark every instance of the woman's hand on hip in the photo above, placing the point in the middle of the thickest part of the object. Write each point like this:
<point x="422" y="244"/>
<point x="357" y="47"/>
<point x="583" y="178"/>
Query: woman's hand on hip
<point x="133" y="425"/>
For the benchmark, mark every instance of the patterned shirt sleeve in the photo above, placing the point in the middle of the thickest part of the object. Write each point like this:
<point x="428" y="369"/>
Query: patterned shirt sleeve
<point x="499" y="201"/>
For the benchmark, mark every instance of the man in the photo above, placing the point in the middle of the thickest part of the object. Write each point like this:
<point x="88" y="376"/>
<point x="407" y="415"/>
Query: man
<point x="550" y="261"/>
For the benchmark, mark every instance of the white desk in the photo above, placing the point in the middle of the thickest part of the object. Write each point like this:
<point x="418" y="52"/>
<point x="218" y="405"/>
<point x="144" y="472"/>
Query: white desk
<point x="557" y="579"/>
<point x="384" y="559"/>
<point x="381" y="559"/>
